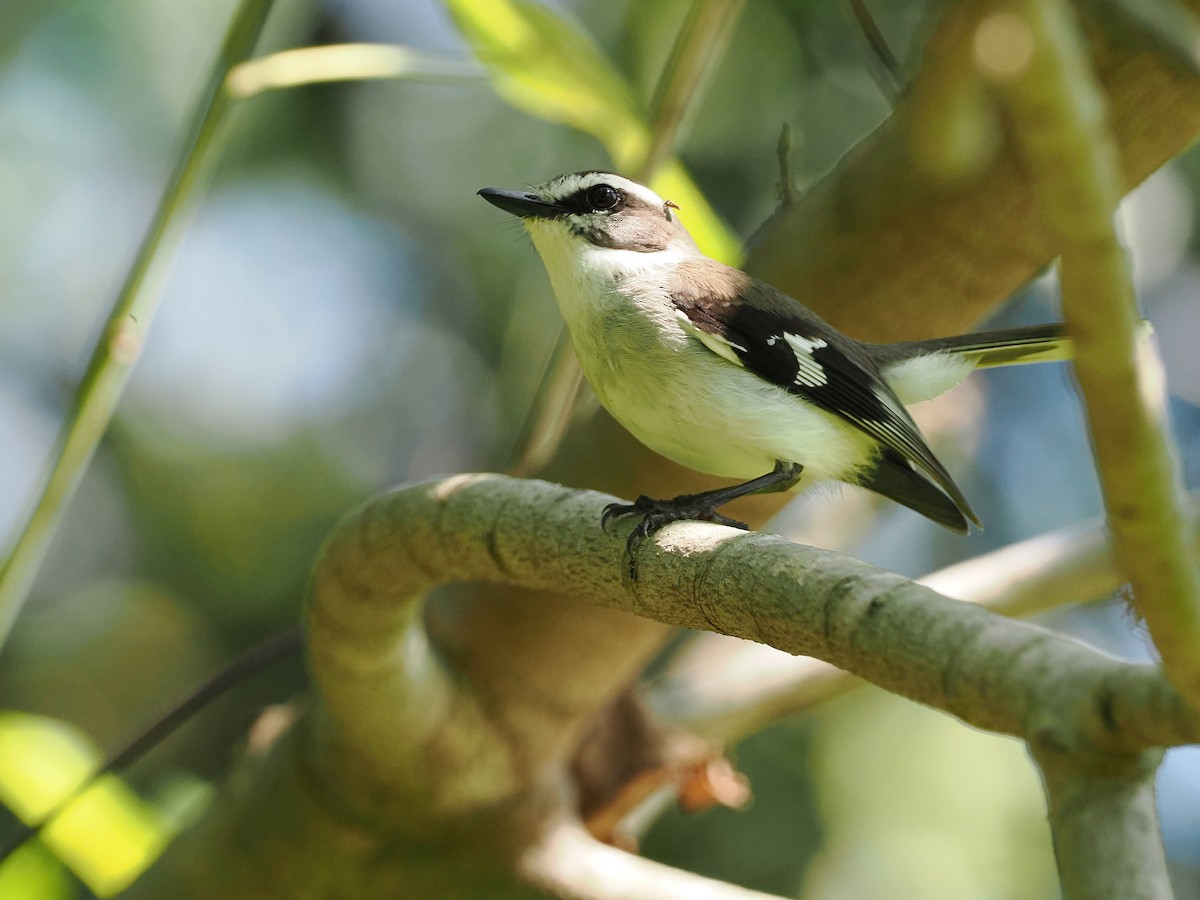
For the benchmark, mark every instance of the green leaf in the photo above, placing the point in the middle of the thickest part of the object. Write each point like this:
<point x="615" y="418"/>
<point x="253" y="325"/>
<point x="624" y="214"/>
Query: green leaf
<point x="698" y="217"/>
<point x="541" y="64"/>
<point x="1166" y="26"/>
<point x="108" y="835"/>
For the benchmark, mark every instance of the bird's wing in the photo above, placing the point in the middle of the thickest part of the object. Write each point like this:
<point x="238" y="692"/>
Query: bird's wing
<point x="773" y="336"/>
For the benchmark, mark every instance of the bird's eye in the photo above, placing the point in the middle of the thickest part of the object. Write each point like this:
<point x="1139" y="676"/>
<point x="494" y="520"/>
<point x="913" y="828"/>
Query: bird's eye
<point x="603" y="197"/>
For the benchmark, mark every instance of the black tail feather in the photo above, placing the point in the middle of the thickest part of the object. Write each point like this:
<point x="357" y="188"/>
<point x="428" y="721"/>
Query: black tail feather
<point x="894" y="478"/>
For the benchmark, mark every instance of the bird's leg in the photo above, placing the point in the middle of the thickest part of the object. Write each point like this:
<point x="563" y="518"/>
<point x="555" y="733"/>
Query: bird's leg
<point x="701" y="507"/>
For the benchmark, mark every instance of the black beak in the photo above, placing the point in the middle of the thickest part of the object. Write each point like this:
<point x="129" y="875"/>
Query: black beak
<point x="520" y="203"/>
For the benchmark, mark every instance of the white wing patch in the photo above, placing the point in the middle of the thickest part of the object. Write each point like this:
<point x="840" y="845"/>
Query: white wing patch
<point x="810" y="373"/>
<point x="713" y="342"/>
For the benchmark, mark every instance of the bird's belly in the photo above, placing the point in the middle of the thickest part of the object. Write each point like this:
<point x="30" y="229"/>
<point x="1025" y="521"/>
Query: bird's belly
<point x="706" y="413"/>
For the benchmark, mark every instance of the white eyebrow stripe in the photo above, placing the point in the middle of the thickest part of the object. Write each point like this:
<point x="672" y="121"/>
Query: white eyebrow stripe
<point x="570" y="184"/>
<point x="641" y="191"/>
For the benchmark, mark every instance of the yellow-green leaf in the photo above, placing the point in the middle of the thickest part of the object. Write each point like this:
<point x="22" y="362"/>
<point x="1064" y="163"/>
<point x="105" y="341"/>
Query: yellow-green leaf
<point x="543" y="65"/>
<point x="108" y="836"/>
<point x="698" y="217"/>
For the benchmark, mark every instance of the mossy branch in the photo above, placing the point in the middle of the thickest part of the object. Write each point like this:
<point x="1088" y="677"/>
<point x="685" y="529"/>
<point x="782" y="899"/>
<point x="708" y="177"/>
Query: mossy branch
<point x="727" y="690"/>
<point x="994" y="673"/>
<point x="405" y="745"/>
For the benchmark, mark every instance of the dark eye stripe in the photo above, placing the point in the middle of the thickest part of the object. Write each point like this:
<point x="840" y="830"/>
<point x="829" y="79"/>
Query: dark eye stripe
<point x="584" y="200"/>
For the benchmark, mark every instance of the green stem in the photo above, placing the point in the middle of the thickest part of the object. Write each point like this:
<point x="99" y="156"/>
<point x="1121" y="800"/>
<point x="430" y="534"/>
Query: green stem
<point x="125" y="331"/>
<point x="698" y="48"/>
<point x="346" y="62"/>
<point x="1061" y="125"/>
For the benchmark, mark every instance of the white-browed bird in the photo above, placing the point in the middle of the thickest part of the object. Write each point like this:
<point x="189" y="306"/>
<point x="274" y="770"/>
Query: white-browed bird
<point x="726" y="375"/>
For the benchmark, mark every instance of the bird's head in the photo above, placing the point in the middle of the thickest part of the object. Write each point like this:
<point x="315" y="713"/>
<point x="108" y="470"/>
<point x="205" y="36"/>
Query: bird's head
<point x="572" y="214"/>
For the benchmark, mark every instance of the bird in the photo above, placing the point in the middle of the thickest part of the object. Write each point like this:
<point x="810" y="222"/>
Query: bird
<point x="724" y="374"/>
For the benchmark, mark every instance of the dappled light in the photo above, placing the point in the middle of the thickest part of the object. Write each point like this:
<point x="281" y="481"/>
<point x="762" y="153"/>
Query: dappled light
<point x="258" y="335"/>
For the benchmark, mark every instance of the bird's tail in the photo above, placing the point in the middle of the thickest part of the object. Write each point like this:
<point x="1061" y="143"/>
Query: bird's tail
<point x="1005" y="347"/>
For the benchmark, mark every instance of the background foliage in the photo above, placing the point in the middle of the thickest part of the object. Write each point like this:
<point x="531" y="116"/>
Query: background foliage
<point x="345" y="314"/>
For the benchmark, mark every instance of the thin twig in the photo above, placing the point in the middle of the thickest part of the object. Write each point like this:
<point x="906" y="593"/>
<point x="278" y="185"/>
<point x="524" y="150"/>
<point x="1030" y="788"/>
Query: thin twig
<point x="551" y="411"/>
<point x="247" y="664"/>
<point x="787" y="181"/>
<point x="698" y="48"/>
<point x="888" y="71"/>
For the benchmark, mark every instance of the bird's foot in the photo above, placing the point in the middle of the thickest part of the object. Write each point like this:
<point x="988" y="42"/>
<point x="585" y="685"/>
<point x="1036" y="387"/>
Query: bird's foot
<point x="657" y="514"/>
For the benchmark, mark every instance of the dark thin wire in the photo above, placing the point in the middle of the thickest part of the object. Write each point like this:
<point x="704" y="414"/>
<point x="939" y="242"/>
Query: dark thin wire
<point x="890" y="72"/>
<point x="249" y="663"/>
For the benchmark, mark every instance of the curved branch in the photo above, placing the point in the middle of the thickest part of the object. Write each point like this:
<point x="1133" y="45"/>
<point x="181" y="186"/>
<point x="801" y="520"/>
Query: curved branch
<point x="393" y="712"/>
<point x="994" y="673"/>
<point x="396" y="750"/>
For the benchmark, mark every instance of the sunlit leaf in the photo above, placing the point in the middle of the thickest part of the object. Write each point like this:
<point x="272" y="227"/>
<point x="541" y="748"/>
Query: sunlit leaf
<point x="32" y="873"/>
<point x="344" y="62"/>
<point x="714" y="238"/>
<point x="108" y="836"/>
<point x="543" y="65"/>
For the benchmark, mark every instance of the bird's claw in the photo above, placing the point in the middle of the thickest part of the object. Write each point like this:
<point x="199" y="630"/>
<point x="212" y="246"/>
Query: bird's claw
<point x="658" y="514"/>
<point x="643" y="504"/>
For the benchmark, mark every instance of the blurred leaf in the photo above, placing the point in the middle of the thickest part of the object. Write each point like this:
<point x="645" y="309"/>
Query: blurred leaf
<point x="541" y="64"/>
<point x="1166" y="25"/>
<point x="701" y="221"/>
<point x="108" y="836"/>
<point x="32" y="873"/>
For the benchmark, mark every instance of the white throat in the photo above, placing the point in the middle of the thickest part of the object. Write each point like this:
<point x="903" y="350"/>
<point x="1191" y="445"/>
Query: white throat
<point x="585" y="276"/>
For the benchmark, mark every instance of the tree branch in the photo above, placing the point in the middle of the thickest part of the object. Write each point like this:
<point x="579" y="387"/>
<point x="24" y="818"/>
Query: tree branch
<point x="726" y="690"/>
<point x="887" y="253"/>
<point x="991" y="672"/>
<point x="570" y="863"/>
<point x="398" y="750"/>
<point x="1105" y="826"/>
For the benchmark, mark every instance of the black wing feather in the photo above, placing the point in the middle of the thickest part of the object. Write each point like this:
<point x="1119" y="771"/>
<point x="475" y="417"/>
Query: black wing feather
<point x="753" y="318"/>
